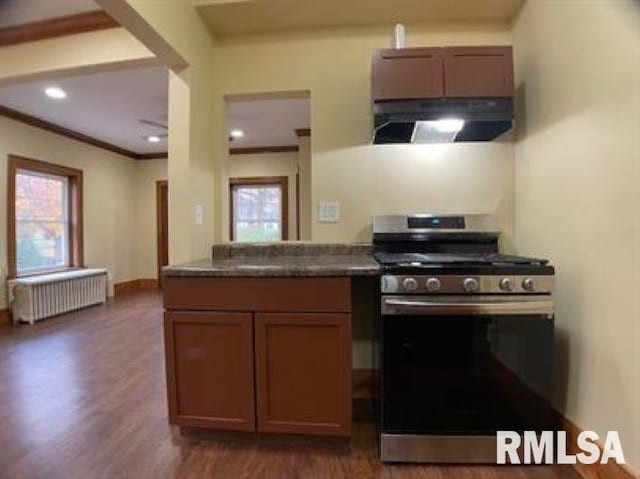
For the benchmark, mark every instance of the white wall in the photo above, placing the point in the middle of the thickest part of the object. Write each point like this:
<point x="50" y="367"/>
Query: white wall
<point x="577" y="163"/>
<point x="117" y="201"/>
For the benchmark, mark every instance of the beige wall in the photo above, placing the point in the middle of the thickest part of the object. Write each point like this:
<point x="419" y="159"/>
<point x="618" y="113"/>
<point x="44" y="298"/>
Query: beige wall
<point x="304" y="168"/>
<point x="108" y="195"/>
<point x="335" y="67"/>
<point x="174" y="31"/>
<point x="147" y="173"/>
<point x="118" y="202"/>
<point x="578" y="197"/>
<point x="265" y="164"/>
<point x="86" y="52"/>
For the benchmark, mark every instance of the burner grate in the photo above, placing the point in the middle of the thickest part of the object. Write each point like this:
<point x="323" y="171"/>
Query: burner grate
<point x="478" y="259"/>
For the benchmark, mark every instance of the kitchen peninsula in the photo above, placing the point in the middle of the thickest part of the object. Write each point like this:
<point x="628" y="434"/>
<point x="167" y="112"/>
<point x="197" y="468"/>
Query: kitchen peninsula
<point x="258" y="338"/>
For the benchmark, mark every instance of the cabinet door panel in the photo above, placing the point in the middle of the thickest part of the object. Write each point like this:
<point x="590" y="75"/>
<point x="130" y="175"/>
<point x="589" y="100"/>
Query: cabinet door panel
<point x="478" y="72"/>
<point x="303" y="373"/>
<point x="408" y="73"/>
<point x="210" y="369"/>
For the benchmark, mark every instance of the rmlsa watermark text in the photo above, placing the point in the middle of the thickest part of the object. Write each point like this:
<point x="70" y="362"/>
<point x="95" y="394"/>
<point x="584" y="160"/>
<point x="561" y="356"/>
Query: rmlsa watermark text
<point x="550" y="447"/>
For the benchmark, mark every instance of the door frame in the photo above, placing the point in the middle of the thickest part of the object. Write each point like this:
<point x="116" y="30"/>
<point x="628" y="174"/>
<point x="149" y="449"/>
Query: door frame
<point x="162" y="223"/>
<point x="281" y="181"/>
<point x="298" y="204"/>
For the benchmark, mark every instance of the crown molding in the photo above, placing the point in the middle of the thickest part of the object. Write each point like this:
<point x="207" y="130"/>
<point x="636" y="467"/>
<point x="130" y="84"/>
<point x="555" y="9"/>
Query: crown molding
<point x="263" y="149"/>
<point x="57" y="27"/>
<point x="74" y="135"/>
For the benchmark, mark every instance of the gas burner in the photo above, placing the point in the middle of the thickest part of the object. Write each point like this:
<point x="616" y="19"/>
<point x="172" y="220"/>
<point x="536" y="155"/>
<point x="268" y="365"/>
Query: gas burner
<point x="446" y="259"/>
<point x="450" y="250"/>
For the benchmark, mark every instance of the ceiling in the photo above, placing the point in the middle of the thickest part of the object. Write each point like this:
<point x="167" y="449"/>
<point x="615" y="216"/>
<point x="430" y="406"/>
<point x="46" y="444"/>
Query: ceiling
<point x="18" y="12"/>
<point x="268" y="122"/>
<point x="247" y="16"/>
<point x="106" y="106"/>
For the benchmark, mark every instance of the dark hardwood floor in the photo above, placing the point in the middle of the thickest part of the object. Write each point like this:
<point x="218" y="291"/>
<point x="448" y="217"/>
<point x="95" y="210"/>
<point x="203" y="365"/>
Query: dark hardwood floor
<point x="83" y="396"/>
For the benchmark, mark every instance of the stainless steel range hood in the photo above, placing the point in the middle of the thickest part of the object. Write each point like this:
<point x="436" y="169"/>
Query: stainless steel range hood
<point x="442" y="120"/>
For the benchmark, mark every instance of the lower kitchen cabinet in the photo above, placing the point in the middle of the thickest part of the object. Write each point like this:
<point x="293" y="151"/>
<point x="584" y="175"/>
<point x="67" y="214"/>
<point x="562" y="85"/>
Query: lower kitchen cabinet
<point x="268" y="355"/>
<point x="210" y="360"/>
<point x="303" y="373"/>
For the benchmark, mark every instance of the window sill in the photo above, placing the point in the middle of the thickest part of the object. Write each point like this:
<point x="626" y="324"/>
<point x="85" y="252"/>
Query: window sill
<point x="44" y="272"/>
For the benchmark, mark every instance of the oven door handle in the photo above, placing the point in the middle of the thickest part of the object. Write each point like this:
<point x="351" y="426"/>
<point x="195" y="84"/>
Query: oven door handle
<point x="467" y="306"/>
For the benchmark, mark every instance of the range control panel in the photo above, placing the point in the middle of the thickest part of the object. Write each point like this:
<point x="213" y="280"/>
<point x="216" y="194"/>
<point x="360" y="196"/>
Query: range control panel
<point x="440" y="223"/>
<point x="460" y="284"/>
<point x="436" y="222"/>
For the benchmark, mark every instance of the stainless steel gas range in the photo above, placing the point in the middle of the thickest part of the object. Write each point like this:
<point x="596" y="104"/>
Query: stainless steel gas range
<point x="466" y="339"/>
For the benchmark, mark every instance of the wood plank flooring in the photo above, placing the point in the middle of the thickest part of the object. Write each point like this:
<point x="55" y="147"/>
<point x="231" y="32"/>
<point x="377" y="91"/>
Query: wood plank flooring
<point x="83" y="396"/>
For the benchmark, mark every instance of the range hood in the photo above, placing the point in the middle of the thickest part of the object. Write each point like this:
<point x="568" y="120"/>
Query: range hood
<point x="441" y="120"/>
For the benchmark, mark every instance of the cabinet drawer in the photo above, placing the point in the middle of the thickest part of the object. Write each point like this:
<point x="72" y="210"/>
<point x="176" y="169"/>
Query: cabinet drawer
<point x="315" y="294"/>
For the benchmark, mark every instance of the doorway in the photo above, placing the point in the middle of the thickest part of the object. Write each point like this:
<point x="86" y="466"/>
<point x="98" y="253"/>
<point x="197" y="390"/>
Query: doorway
<point x="162" y="214"/>
<point x="266" y="180"/>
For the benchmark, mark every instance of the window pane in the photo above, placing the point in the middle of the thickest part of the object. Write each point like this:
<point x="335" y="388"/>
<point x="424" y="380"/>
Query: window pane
<point x="41" y="197"/>
<point x="257" y="213"/>
<point x="42" y="226"/>
<point x="40" y="245"/>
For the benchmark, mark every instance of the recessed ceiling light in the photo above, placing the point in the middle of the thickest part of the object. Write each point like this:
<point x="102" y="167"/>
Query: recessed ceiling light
<point x="236" y="133"/>
<point x="55" y="92"/>
<point x="153" y="139"/>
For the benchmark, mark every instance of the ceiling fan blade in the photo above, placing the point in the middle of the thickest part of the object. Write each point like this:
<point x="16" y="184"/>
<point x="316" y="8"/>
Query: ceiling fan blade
<point x="160" y="135"/>
<point x="153" y="123"/>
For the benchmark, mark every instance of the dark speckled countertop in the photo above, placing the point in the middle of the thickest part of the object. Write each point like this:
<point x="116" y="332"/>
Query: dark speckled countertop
<point x="281" y="259"/>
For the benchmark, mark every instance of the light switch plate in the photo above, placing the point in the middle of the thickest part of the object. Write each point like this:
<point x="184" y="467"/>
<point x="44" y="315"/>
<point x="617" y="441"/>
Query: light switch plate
<point x="198" y="215"/>
<point x="328" y="211"/>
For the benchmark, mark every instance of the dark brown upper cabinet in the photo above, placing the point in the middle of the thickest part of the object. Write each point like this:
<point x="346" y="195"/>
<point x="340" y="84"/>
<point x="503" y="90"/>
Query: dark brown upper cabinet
<point x="478" y="72"/>
<point x="449" y="72"/>
<point x="408" y="73"/>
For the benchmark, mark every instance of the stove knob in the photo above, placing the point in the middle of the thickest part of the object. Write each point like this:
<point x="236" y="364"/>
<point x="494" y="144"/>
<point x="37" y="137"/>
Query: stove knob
<point x="433" y="284"/>
<point x="528" y="284"/>
<point x="410" y="284"/>
<point x="470" y="285"/>
<point x="506" y="284"/>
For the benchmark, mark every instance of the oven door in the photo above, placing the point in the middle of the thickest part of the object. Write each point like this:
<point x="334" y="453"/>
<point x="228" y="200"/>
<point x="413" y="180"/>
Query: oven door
<point x="467" y="365"/>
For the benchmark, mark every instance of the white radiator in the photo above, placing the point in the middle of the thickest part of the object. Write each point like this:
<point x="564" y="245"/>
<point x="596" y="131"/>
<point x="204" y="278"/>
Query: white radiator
<point x="39" y="297"/>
